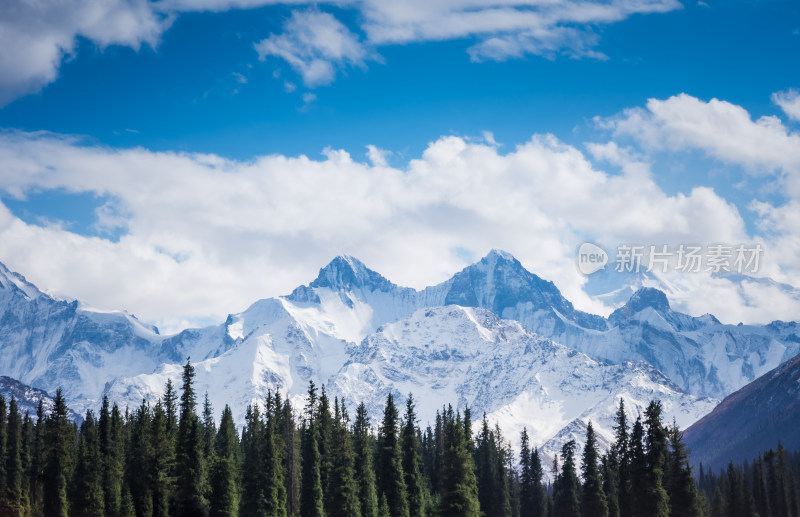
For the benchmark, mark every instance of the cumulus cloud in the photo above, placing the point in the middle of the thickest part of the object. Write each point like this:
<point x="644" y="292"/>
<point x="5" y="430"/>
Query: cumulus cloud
<point x="722" y="130"/>
<point x="789" y="102"/>
<point x="37" y="36"/>
<point x="314" y="43"/>
<point x="205" y="235"/>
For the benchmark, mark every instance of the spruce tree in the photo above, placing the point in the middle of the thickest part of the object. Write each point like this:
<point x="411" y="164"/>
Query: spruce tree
<point x="610" y="472"/>
<point x="682" y="489"/>
<point x="593" y="501"/>
<point x="411" y="446"/>
<point x="38" y="461"/>
<point x="458" y="486"/>
<point x="566" y="490"/>
<point x="391" y="480"/>
<point x="2" y="444"/>
<point x="253" y="494"/>
<point x="291" y="460"/>
<point x="209" y="429"/>
<point x="324" y="426"/>
<point x="190" y="484"/>
<point x="623" y="450"/>
<point x="655" y="498"/>
<point x="533" y="498"/>
<point x="493" y="492"/>
<point x="364" y="471"/>
<point x="638" y="471"/>
<point x="311" y="495"/>
<point x="140" y="454"/>
<point x="112" y="453"/>
<point x="13" y="497"/>
<point x="161" y="462"/>
<point x="272" y="469"/>
<point x="344" y="500"/>
<point x="758" y="482"/>
<point x="224" y="500"/>
<point x="58" y="447"/>
<point x="87" y="486"/>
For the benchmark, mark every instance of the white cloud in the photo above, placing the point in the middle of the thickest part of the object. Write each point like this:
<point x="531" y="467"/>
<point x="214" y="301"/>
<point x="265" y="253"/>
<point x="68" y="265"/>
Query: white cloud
<point x="314" y="43"/>
<point x="37" y="36"/>
<point x="789" y="102"/>
<point x="206" y="235"/>
<point x="722" y="130"/>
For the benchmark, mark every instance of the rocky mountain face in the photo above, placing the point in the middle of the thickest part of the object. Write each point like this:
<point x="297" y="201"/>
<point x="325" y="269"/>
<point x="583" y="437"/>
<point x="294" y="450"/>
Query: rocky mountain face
<point x="751" y="420"/>
<point x="495" y="337"/>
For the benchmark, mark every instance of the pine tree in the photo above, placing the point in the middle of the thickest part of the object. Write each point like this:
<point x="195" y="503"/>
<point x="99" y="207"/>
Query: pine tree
<point x="274" y="489"/>
<point x="87" y="490"/>
<point x="13" y="498"/>
<point x="170" y="403"/>
<point x="566" y="490"/>
<point x="533" y="499"/>
<point x="655" y="499"/>
<point x="58" y="447"/>
<point x="610" y="471"/>
<point x="364" y="471"/>
<point x="38" y="460"/>
<point x="638" y="471"/>
<point x="493" y="492"/>
<point x="190" y="486"/>
<point x="412" y="462"/>
<point x="311" y="495"/>
<point x="458" y="486"/>
<point x="161" y="462"/>
<point x="682" y="489"/>
<point x="391" y="480"/>
<point x="623" y="449"/>
<point x="112" y="454"/>
<point x="253" y="496"/>
<point x="140" y="454"/>
<point x="758" y="482"/>
<point x="209" y="429"/>
<point x="593" y="502"/>
<point x="291" y="461"/>
<point x="224" y="500"/>
<point x="2" y="445"/>
<point x="324" y="425"/>
<point x="344" y="501"/>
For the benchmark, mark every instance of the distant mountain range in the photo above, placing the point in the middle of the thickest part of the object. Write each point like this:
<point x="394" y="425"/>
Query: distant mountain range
<point x="494" y="336"/>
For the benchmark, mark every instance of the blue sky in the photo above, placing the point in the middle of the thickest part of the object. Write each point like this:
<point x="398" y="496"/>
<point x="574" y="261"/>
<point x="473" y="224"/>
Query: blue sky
<point x="112" y="112"/>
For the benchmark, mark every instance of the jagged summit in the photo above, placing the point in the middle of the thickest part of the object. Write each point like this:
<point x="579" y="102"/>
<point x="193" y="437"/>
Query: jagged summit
<point x="346" y="272"/>
<point x="14" y="282"/>
<point x="642" y="299"/>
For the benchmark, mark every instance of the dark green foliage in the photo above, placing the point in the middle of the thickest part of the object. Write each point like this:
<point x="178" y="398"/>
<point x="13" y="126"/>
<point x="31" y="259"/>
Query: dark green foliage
<point x="13" y="492"/>
<point x="58" y="446"/>
<point x="566" y="489"/>
<point x="493" y="493"/>
<point x="411" y="445"/>
<point x="134" y="465"/>
<point x="364" y="471"/>
<point x="391" y="480"/>
<point x="224" y="500"/>
<point x="343" y="487"/>
<point x="311" y="494"/>
<point x="190" y="468"/>
<point x="681" y="486"/>
<point x="458" y="486"/>
<point x="593" y="498"/>
<point x="532" y="496"/>
<point x="87" y="483"/>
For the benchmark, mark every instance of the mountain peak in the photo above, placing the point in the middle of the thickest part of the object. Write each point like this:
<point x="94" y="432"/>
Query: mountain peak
<point x="12" y="281"/>
<point x="496" y="254"/>
<point x="641" y="300"/>
<point x="346" y="272"/>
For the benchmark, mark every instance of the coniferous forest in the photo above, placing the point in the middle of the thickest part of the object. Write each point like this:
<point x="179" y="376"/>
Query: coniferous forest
<point x="171" y="460"/>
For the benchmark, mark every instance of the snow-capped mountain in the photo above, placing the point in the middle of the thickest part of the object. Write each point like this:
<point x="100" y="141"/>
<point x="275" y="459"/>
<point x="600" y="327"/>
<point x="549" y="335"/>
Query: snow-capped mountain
<point x="28" y="398"/>
<point x="361" y="335"/>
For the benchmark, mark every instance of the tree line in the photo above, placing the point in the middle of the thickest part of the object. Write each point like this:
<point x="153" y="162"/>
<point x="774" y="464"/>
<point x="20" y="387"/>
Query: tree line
<point x="169" y="460"/>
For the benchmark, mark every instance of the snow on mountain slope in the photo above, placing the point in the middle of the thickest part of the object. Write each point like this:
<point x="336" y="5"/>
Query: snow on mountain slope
<point x="28" y="398"/>
<point x="49" y="343"/>
<point x="471" y="358"/>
